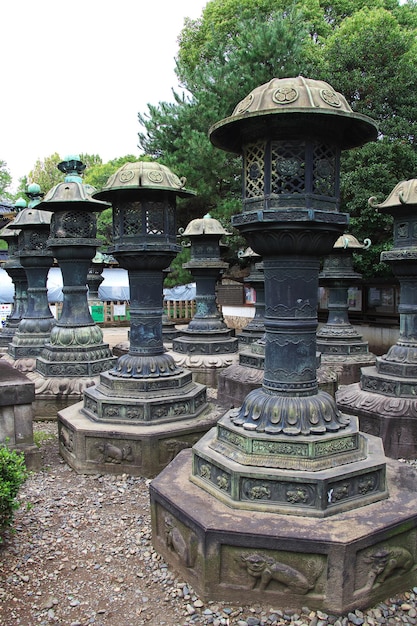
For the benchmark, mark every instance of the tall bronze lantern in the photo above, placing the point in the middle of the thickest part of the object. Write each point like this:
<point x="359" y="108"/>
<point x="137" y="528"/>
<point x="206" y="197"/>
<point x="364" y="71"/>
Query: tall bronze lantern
<point x="246" y="500"/>
<point x="146" y="407"/>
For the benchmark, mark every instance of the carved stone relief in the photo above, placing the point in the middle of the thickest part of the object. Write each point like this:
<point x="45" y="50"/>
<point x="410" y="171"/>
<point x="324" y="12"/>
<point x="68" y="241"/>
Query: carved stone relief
<point x="383" y="562"/>
<point x="180" y="540"/>
<point x="274" y="571"/>
<point x="169" y="448"/>
<point x="66" y="438"/>
<point x="102" y="451"/>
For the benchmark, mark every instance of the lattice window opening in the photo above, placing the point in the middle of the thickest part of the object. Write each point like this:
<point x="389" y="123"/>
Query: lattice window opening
<point x="37" y="241"/>
<point x="154" y="220"/>
<point x="126" y="220"/>
<point x="288" y="167"/>
<point x="254" y="170"/>
<point x="324" y="171"/>
<point x="73" y="225"/>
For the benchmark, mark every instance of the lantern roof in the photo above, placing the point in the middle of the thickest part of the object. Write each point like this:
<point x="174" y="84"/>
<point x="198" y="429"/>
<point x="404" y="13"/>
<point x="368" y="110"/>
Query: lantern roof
<point x="348" y="241"/>
<point x="248" y="253"/>
<point x="144" y="175"/>
<point x="31" y="218"/>
<point x="291" y="108"/>
<point x="404" y="194"/>
<point x="206" y="225"/>
<point x="8" y="232"/>
<point x="20" y="204"/>
<point x="72" y="191"/>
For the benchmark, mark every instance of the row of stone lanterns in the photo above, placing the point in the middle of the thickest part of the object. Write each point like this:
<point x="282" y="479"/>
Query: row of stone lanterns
<point x="243" y="504"/>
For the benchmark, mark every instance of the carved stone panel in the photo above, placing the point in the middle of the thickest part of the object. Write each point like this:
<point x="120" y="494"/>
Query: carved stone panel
<point x="263" y="571"/>
<point x="169" y="448"/>
<point x="176" y="538"/>
<point x="112" y="451"/>
<point x="385" y="562"/>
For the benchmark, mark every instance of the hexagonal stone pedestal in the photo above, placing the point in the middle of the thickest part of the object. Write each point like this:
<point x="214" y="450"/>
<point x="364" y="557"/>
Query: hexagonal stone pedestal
<point x="350" y="560"/>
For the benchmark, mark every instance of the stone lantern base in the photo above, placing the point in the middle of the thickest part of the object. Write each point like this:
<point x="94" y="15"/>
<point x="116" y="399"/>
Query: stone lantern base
<point x="92" y="447"/>
<point x="385" y="414"/>
<point x="353" y="559"/>
<point x="347" y="368"/>
<point x="132" y="425"/>
<point x="16" y="414"/>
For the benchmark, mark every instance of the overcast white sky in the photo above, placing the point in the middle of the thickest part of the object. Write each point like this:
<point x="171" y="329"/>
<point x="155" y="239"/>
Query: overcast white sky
<point x="75" y="74"/>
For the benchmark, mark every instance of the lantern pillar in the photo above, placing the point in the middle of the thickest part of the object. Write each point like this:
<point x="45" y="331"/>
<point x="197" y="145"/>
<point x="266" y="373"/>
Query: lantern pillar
<point x="37" y="322"/>
<point x="341" y="347"/>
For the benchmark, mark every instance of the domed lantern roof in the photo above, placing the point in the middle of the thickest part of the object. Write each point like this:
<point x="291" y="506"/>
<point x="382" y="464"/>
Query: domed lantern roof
<point x="349" y="242"/>
<point x="31" y="218"/>
<point x="290" y="108"/>
<point x="143" y="175"/>
<point x="404" y="194"/>
<point x="206" y="225"/>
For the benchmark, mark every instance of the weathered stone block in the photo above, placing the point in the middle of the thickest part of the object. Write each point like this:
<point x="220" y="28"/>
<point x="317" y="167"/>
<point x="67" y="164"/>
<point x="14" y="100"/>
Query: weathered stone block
<point x="351" y="560"/>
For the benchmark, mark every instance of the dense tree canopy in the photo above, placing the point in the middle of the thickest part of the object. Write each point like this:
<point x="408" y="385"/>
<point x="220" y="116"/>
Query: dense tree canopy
<point x="365" y="50"/>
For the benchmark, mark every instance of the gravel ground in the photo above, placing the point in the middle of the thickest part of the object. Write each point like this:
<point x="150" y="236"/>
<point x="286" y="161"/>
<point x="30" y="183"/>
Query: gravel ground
<point x="81" y="554"/>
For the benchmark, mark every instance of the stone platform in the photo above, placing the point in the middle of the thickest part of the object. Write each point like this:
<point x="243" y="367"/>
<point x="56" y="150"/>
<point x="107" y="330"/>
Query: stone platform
<point x="391" y="417"/>
<point x="350" y="560"/>
<point x="92" y="447"/>
<point x="16" y="414"/>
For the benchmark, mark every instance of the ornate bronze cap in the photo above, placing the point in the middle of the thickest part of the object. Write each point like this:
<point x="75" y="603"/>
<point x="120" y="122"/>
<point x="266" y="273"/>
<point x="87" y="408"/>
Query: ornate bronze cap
<point x="292" y="108"/>
<point x="20" y="204"/>
<point x="143" y="175"/>
<point x="403" y="194"/>
<point x="206" y="225"/>
<point x="72" y="190"/>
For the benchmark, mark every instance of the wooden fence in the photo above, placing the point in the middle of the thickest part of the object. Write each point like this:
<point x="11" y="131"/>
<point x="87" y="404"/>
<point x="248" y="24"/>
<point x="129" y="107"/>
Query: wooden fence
<point x="113" y="313"/>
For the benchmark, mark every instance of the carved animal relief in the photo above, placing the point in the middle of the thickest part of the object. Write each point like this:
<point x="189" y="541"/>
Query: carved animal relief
<point x="177" y="541"/>
<point x="264" y="570"/>
<point x="382" y="563"/>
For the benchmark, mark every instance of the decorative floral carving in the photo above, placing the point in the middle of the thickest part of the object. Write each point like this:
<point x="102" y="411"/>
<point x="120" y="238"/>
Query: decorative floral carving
<point x="285" y="95"/>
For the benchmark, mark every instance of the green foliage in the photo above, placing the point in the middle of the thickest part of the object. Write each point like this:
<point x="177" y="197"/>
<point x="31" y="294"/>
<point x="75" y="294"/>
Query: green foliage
<point x="5" y="182"/>
<point x="366" y="50"/>
<point x="372" y="60"/>
<point x="105" y="226"/>
<point x="13" y="473"/>
<point x="178" y="275"/>
<point x="97" y="174"/>
<point x="40" y="436"/>
<point x="373" y="171"/>
<point x="223" y="21"/>
<point x="46" y="173"/>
